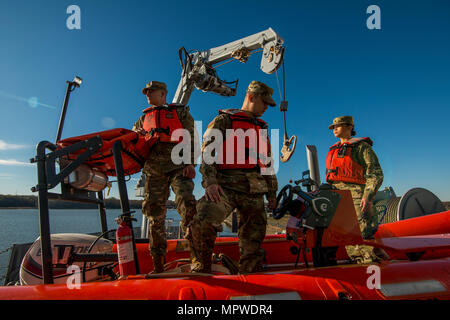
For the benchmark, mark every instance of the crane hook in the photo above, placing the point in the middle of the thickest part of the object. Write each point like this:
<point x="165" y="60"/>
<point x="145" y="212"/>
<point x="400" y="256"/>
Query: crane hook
<point x="288" y="143"/>
<point x="288" y="148"/>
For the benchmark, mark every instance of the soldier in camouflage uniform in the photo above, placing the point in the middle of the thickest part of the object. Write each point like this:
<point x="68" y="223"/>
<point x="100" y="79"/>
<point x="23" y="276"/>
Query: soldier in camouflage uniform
<point x="354" y="166"/>
<point x="234" y="188"/>
<point x="161" y="172"/>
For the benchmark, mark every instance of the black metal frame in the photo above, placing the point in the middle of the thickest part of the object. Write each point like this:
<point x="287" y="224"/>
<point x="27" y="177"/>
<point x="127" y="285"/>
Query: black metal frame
<point x="71" y="85"/>
<point x="48" y="179"/>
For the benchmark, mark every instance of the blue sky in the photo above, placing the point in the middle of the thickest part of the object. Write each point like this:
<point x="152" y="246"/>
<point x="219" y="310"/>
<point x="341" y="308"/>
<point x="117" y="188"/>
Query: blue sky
<point x="394" y="81"/>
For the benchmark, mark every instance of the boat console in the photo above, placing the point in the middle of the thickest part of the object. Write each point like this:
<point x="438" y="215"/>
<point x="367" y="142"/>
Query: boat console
<point x="322" y="220"/>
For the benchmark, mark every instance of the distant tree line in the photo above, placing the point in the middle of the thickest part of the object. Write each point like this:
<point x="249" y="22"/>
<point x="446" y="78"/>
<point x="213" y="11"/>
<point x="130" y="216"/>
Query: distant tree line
<point x="13" y="201"/>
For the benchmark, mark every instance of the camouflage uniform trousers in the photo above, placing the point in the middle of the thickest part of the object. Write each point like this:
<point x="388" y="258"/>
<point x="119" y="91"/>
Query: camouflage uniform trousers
<point x="251" y="229"/>
<point x="368" y="223"/>
<point x="154" y="206"/>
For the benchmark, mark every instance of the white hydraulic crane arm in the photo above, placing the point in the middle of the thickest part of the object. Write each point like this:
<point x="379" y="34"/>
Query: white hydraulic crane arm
<point x="198" y="67"/>
<point x="264" y="39"/>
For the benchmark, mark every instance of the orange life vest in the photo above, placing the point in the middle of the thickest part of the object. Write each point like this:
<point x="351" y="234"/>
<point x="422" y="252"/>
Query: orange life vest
<point x="134" y="150"/>
<point x="160" y="122"/>
<point x="340" y="164"/>
<point x="248" y="155"/>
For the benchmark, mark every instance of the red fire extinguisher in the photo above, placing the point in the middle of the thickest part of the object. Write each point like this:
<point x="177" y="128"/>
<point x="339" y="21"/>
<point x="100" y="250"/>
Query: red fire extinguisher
<point x="125" y="251"/>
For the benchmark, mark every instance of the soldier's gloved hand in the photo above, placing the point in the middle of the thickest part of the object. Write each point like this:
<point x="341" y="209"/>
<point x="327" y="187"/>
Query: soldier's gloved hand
<point x="213" y="193"/>
<point x="272" y="203"/>
<point x="140" y="131"/>
<point x="189" y="171"/>
<point x="365" y="205"/>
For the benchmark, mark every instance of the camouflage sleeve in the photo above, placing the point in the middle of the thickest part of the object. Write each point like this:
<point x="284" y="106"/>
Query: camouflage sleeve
<point x="372" y="171"/>
<point x="138" y="124"/>
<point x="189" y="124"/>
<point x="271" y="178"/>
<point x="209" y="170"/>
<point x="272" y="186"/>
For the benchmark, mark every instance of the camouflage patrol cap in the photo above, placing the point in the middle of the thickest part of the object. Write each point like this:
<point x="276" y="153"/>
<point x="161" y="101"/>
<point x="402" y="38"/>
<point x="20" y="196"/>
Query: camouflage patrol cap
<point x="262" y="90"/>
<point x="154" y="85"/>
<point x="341" y="120"/>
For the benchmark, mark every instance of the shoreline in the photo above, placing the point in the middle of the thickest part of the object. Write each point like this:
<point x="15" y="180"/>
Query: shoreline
<point x="21" y="208"/>
<point x="9" y="208"/>
<point x="273" y="226"/>
<point x="17" y="208"/>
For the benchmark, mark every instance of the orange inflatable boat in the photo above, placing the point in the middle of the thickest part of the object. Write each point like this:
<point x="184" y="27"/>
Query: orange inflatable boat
<point x="419" y="251"/>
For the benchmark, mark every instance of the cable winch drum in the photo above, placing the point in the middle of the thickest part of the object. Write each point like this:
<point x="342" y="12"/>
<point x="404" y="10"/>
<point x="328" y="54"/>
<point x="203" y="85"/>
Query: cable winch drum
<point x="391" y="210"/>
